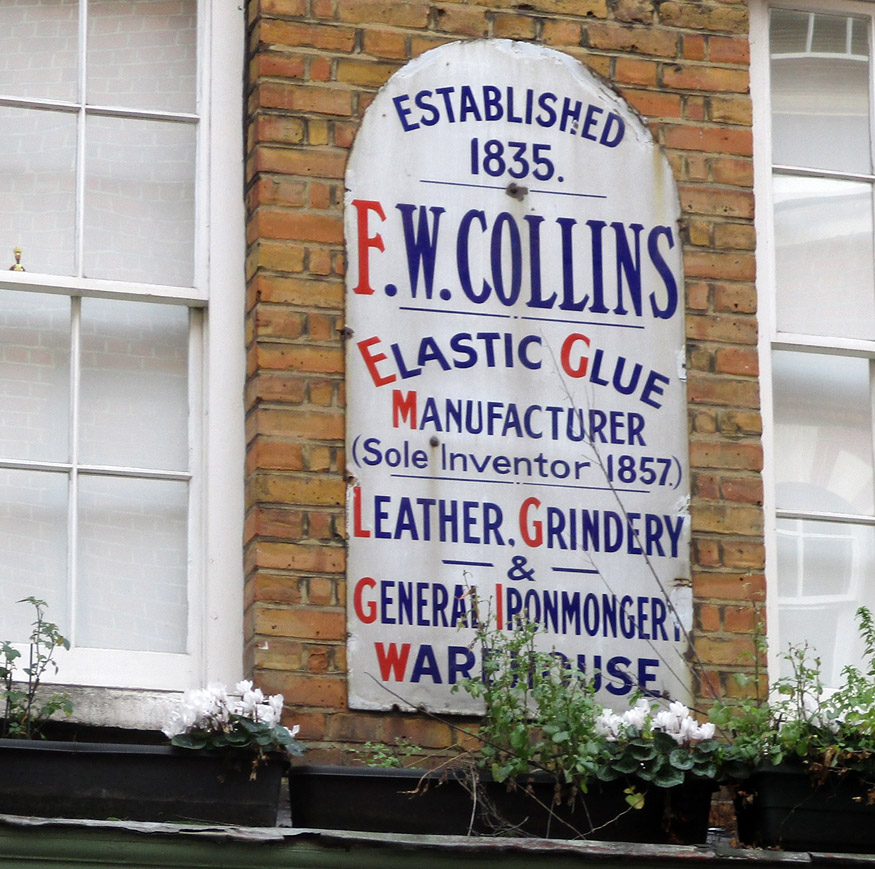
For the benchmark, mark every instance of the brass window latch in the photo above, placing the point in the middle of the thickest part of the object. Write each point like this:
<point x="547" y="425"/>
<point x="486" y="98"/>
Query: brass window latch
<point x="18" y="267"/>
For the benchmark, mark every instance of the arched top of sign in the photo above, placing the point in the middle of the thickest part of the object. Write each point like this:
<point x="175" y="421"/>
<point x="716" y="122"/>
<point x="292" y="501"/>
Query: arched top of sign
<point x="516" y="418"/>
<point x="581" y="138"/>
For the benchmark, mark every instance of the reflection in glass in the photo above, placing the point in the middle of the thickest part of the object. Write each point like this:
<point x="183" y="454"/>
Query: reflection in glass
<point x="820" y="91"/>
<point x="824" y="575"/>
<point x="38" y="49"/>
<point x="38" y="189"/>
<point x="34" y="376"/>
<point x="823" y="257"/>
<point x="33" y="548"/>
<point x="134" y="385"/>
<point x="139" y="200"/>
<point x="133" y="552"/>
<point x="823" y="433"/>
<point x="142" y="55"/>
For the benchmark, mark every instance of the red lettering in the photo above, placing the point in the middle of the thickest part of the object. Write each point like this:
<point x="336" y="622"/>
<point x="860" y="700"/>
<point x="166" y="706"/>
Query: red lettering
<point x="393" y="664"/>
<point x="499" y="606"/>
<point x="365" y="242"/>
<point x="403" y="408"/>
<point x="533" y="532"/>
<point x="357" y="529"/>
<point x="371" y="360"/>
<point x="367" y="615"/>
<point x="565" y="356"/>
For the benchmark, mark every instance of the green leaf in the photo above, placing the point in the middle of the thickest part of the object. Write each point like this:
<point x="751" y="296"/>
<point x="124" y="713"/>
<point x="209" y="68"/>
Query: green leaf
<point x="669" y="778"/>
<point x="681" y="759"/>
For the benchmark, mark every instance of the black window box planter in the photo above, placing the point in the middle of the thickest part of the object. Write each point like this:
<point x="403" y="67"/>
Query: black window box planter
<point x="782" y="806"/>
<point x="371" y="799"/>
<point x="136" y="782"/>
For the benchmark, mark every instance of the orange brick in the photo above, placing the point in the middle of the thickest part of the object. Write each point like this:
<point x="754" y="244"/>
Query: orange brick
<point x="277" y="64"/>
<point x="512" y="26"/>
<point x="637" y="72"/>
<point x="320" y="69"/>
<point x="277" y="588"/>
<point x="695" y="138"/>
<point x="726" y="170"/>
<point x="735" y="236"/>
<point x="708" y="618"/>
<point x="289" y="8"/>
<point x="706" y="553"/>
<point x="740" y="620"/>
<point x="278" y="256"/>
<point x="277" y="653"/>
<point x="318" y="162"/>
<point x="654" y="104"/>
<point x="274" y="555"/>
<point x="277" y="190"/>
<point x="410" y="13"/>
<point x="705" y="78"/>
<point x="306" y="690"/>
<point x="743" y="490"/>
<point x="744" y="554"/>
<point x="275" y="455"/>
<point x="278" y="223"/>
<point x="729" y="49"/>
<point x="737" y="360"/>
<point x="720" y="454"/>
<point x="735" y="330"/>
<point x="562" y="32"/>
<point x="301" y="98"/>
<point x="365" y="73"/>
<point x="321" y="360"/>
<point x="292" y="33"/>
<point x="284" y="289"/>
<point x="307" y="623"/>
<point x="720" y="264"/>
<point x="385" y="43"/>
<point x="648" y="41"/>
<point x="737" y="422"/>
<point x="300" y="423"/>
<point x="698" y="295"/>
<point x="634" y="11"/>
<point x="724" y="650"/>
<point x="703" y="389"/>
<point x="321" y="591"/>
<point x="693" y="46"/>
<point x="735" y="298"/>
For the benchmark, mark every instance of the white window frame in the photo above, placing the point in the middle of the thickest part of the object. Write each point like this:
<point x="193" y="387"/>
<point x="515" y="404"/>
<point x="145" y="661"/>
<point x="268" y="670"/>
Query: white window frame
<point x="769" y="337"/>
<point x="217" y="356"/>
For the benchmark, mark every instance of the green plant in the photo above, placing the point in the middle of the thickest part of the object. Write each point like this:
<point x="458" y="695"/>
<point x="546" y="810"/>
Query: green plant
<point x="541" y="714"/>
<point x="800" y="720"/>
<point x="393" y="756"/>
<point x="24" y="714"/>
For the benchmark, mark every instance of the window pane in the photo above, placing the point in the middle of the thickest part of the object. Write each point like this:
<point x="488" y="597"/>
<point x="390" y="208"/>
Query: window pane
<point x="820" y="93"/>
<point x="34" y="376"/>
<point x="33" y="548"/>
<point x="142" y="54"/>
<point x="823" y="433"/>
<point x="133" y="554"/>
<point x="139" y="201"/>
<point x="823" y="252"/>
<point x="38" y="189"/>
<point x="825" y="572"/>
<point x="134" y="385"/>
<point x="38" y="45"/>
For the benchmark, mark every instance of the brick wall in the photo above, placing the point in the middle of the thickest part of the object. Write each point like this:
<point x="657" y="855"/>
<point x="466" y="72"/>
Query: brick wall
<point x="314" y="68"/>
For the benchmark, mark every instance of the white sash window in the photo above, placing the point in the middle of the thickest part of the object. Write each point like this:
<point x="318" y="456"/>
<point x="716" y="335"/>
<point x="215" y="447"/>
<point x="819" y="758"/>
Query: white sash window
<point x="812" y="73"/>
<point x="121" y="341"/>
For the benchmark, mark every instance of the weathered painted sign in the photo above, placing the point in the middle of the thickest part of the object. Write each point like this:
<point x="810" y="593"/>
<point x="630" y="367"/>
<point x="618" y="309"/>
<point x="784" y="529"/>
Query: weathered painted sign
<point x="516" y="420"/>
